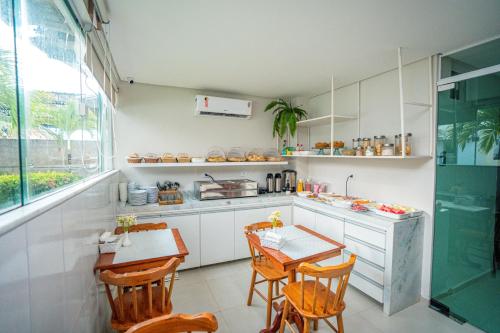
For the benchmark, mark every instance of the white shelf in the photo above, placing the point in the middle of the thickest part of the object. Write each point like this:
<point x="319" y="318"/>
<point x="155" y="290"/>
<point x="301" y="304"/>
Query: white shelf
<point x="204" y="164"/>
<point x="325" y="120"/>
<point x="315" y="121"/>
<point x="364" y="157"/>
<point x="424" y="105"/>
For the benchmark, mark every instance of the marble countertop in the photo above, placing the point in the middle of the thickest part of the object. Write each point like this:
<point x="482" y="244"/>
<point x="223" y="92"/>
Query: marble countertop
<point x="192" y="205"/>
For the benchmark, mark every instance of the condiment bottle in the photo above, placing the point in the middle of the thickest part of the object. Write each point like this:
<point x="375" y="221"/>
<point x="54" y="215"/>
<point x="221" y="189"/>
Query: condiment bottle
<point x="308" y="185"/>
<point x="300" y="186"/>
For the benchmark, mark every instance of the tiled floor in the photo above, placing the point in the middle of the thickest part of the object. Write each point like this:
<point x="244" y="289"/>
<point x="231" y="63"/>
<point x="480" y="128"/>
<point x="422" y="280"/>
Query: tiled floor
<point x="222" y="289"/>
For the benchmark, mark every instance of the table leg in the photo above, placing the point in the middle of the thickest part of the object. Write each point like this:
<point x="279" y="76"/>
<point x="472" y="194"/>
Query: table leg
<point x="279" y="307"/>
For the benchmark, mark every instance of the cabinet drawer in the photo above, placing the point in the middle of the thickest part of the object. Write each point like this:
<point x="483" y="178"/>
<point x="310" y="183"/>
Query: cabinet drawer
<point x="365" y="252"/>
<point x="367" y="270"/>
<point x="366" y="235"/>
<point x="367" y="287"/>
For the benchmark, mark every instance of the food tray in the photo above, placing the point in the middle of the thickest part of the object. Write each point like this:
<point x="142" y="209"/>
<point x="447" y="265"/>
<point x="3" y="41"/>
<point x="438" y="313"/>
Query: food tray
<point x="393" y="216"/>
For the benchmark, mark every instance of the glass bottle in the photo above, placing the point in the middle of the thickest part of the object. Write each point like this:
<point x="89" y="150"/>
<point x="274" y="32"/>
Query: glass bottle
<point x="378" y="142"/>
<point x="397" y="144"/>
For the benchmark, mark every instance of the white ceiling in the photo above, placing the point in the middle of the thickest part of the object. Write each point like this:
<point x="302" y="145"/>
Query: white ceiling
<point x="285" y="47"/>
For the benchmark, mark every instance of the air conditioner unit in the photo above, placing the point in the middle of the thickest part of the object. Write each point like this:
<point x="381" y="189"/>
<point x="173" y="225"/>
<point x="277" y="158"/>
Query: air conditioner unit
<point x="223" y="107"/>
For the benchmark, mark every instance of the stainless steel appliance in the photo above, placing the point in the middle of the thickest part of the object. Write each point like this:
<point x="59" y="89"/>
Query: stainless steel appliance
<point x="270" y="183"/>
<point x="225" y="189"/>
<point x="277" y="183"/>
<point x="289" y="180"/>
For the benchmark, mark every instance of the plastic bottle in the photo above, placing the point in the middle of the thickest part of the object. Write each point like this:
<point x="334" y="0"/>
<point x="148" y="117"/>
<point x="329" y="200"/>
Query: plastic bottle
<point x="300" y="186"/>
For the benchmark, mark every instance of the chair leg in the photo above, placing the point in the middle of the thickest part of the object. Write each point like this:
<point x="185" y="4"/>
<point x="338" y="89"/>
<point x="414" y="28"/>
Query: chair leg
<point x="284" y="316"/>
<point x="277" y="286"/>
<point x="252" y="286"/>
<point x="315" y="324"/>
<point x="269" y="302"/>
<point x="307" y="328"/>
<point x="340" y="324"/>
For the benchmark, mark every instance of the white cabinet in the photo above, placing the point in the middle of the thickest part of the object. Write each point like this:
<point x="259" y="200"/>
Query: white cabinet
<point x="332" y="228"/>
<point x="249" y="216"/>
<point x="189" y="228"/>
<point x="217" y="237"/>
<point x="305" y="217"/>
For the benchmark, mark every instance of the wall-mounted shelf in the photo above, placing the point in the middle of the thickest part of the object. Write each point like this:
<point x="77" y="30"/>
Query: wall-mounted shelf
<point x="204" y="164"/>
<point x="424" y="105"/>
<point x="364" y="157"/>
<point x="325" y="120"/>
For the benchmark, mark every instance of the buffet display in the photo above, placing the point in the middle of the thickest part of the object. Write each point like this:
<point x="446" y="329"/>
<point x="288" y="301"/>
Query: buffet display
<point x="215" y="155"/>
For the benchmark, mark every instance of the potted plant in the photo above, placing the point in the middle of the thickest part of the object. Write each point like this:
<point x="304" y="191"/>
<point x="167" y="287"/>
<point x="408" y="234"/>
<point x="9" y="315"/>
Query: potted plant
<point x="126" y="221"/>
<point x="274" y="218"/>
<point x="286" y="116"/>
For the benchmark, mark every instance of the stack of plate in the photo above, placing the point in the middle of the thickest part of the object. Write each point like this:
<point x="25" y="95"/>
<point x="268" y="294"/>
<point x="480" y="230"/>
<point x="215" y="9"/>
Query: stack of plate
<point x="132" y="186"/>
<point x="152" y="192"/>
<point x="137" y="197"/>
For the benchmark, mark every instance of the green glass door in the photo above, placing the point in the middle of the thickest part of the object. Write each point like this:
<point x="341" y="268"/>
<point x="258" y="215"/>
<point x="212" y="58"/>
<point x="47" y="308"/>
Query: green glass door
<point x="466" y="258"/>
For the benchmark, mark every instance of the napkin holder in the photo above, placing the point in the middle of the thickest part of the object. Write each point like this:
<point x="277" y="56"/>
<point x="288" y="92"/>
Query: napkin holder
<point x="272" y="240"/>
<point x="109" y="243"/>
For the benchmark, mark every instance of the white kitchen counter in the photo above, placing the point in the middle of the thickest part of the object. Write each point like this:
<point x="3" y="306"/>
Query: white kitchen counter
<point x="192" y="205"/>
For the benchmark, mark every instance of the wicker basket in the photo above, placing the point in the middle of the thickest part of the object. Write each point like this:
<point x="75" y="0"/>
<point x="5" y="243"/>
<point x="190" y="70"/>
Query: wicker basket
<point x="151" y="159"/>
<point x="168" y="158"/>
<point x="134" y="159"/>
<point x="183" y="158"/>
<point x="170" y="197"/>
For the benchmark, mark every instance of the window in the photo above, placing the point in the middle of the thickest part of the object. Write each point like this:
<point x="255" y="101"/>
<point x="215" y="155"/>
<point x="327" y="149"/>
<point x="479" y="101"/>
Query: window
<point x="64" y="115"/>
<point x="10" y="190"/>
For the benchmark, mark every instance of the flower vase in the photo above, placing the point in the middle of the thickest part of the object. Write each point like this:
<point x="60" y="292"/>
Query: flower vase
<point x="126" y="241"/>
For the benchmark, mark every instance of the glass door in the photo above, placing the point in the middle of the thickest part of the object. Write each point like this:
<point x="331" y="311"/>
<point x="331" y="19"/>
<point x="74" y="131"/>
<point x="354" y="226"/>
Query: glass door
<point x="466" y="256"/>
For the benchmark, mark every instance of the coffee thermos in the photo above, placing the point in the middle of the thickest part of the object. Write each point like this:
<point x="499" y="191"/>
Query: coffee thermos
<point x="270" y="183"/>
<point x="277" y="183"/>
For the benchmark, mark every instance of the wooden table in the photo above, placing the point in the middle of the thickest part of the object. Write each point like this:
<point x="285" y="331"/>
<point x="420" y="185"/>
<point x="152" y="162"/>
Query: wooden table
<point x="289" y="265"/>
<point x="105" y="261"/>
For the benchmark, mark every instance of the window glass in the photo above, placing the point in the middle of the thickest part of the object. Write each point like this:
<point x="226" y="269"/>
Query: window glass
<point x="60" y="99"/>
<point x="471" y="59"/>
<point x="10" y="190"/>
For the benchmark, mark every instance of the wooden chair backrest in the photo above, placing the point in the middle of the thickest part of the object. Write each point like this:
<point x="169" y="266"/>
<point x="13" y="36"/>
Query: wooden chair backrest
<point x="177" y="323"/>
<point x="135" y="280"/>
<point x="259" y="226"/>
<point x="142" y="227"/>
<point x="341" y="272"/>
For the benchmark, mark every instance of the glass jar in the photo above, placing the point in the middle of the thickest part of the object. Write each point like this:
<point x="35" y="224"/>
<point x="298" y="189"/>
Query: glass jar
<point x="369" y="151"/>
<point x="360" y="151"/>
<point x="355" y="143"/>
<point x="367" y="142"/>
<point x="378" y="142"/>
<point x="397" y="144"/>
<point x="388" y="149"/>
<point x="408" y="144"/>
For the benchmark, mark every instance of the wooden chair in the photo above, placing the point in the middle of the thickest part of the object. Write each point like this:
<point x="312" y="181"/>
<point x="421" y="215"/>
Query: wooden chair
<point x="313" y="300"/>
<point x="266" y="269"/>
<point x="140" y="295"/>
<point x="177" y="323"/>
<point x="142" y="227"/>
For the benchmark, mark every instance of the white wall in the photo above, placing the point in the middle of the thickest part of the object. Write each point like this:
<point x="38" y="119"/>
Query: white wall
<point x="47" y="282"/>
<point x="409" y="182"/>
<point x="161" y="119"/>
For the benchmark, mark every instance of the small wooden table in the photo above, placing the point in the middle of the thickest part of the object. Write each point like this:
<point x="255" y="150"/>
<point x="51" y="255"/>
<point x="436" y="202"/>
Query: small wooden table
<point x="105" y="261"/>
<point x="287" y="264"/>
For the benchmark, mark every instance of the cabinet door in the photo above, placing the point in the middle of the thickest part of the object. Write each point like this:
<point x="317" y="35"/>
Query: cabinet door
<point x="332" y="228"/>
<point x="189" y="228"/>
<point x="304" y="217"/>
<point x="249" y="216"/>
<point x="217" y="237"/>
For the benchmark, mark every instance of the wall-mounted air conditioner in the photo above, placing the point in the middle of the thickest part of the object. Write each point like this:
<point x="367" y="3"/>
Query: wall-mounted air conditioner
<point x="223" y="107"/>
